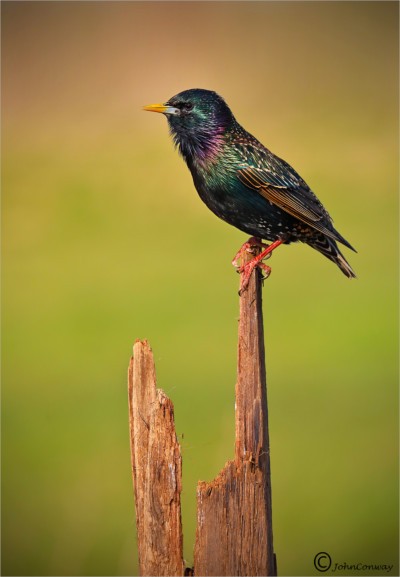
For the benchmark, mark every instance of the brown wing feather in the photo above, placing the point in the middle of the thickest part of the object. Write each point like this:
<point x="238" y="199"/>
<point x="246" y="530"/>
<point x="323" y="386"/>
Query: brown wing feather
<point x="288" y="199"/>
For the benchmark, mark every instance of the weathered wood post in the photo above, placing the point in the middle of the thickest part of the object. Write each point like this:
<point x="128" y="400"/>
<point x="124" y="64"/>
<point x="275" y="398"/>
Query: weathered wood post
<point x="234" y="521"/>
<point x="156" y="469"/>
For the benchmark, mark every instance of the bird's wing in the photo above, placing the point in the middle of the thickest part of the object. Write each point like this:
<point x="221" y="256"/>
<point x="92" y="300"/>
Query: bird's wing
<point x="278" y="182"/>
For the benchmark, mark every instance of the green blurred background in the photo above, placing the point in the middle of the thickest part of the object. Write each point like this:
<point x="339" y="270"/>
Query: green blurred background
<point x="105" y="240"/>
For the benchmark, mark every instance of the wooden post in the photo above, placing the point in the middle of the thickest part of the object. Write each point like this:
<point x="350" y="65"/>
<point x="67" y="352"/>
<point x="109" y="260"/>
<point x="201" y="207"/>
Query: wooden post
<point x="234" y="522"/>
<point x="156" y="469"/>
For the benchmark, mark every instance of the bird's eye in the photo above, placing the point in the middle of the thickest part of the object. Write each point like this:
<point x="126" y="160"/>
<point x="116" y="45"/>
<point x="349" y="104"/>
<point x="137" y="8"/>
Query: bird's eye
<point x="188" y="106"/>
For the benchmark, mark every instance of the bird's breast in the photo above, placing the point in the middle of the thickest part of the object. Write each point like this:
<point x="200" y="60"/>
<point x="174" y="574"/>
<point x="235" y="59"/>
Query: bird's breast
<point x="214" y="185"/>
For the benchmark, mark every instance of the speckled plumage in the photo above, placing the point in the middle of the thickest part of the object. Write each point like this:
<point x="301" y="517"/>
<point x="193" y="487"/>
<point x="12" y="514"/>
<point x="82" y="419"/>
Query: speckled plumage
<point x="244" y="183"/>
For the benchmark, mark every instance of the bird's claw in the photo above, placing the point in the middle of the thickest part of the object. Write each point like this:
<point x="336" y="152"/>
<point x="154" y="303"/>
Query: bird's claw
<point x="252" y="242"/>
<point x="248" y="269"/>
<point x="266" y="269"/>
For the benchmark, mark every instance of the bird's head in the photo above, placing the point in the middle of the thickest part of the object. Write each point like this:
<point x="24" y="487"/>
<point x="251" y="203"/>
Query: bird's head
<point x="197" y="120"/>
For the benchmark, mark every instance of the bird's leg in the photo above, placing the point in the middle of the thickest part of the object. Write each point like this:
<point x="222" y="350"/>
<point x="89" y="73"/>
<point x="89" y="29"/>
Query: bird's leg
<point x="253" y="241"/>
<point x="248" y="268"/>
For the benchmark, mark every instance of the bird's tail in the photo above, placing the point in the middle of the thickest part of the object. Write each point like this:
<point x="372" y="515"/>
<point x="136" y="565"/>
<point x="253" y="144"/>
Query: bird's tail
<point x="329" y="248"/>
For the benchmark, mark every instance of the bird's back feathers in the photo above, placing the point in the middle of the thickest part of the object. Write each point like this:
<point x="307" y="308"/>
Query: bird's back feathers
<point x="278" y="182"/>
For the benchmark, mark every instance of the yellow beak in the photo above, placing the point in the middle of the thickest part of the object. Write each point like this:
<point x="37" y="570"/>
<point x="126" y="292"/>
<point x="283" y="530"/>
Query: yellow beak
<point x="164" y="108"/>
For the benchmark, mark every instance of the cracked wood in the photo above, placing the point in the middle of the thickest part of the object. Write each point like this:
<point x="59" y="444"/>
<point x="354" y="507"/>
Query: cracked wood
<point x="156" y="469"/>
<point x="234" y="519"/>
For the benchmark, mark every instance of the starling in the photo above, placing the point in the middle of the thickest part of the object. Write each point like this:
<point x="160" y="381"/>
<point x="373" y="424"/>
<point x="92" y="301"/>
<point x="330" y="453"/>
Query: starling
<point x="245" y="184"/>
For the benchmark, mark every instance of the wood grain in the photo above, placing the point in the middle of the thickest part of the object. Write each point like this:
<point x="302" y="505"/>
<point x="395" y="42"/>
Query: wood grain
<point x="156" y="469"/>
<point x="234" y="518"/>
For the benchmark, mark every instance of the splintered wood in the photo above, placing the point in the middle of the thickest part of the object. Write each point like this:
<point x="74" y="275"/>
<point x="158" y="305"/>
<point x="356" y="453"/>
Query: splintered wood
<point x="232" y="523"/>
<point x="234" y="520"/>
<point x="156" y="469"/>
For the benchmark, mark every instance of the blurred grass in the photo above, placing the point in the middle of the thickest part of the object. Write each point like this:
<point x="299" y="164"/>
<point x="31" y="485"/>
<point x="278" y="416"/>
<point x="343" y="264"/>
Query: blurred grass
<point x="105" y="241"/>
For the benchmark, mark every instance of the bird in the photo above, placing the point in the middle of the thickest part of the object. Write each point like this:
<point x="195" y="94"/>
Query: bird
<point x="245" y="184"/>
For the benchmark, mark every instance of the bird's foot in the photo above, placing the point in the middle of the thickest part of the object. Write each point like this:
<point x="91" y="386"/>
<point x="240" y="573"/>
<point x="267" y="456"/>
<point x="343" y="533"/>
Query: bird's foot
<point x="253" y="241"/>
<point x="248" y="268"/>
<point x="265" y="268"/>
